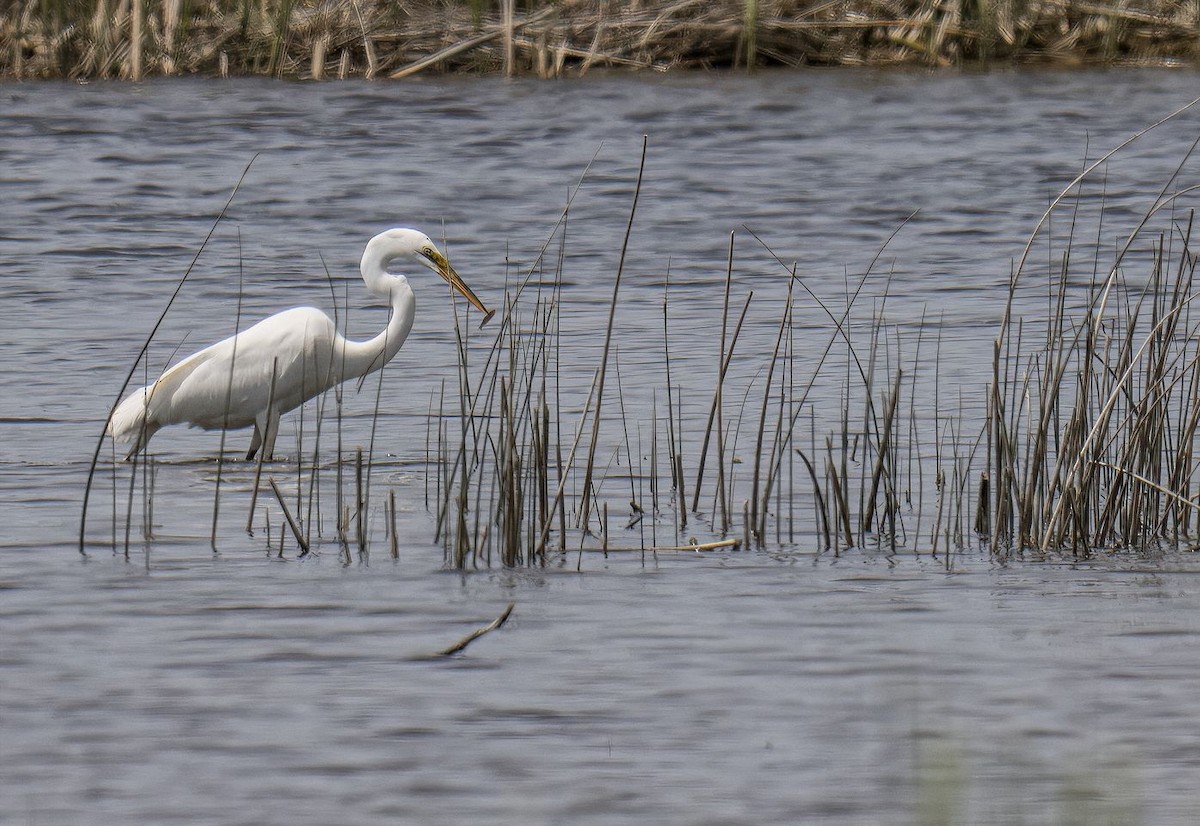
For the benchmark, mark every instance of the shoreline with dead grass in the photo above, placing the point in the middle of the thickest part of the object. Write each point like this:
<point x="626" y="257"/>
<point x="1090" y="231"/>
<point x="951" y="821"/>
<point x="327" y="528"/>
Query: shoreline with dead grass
<point x="303" y="39"/>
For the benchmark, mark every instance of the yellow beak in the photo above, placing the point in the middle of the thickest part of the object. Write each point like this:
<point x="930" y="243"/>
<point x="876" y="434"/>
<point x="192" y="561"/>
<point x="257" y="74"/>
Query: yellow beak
<point x="455" y="280"/>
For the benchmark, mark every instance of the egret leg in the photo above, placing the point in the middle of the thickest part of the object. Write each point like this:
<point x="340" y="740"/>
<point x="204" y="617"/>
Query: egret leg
<point x="143" y="438"/>
<point x="255" y="441"/>
<point x="272" y="430"/>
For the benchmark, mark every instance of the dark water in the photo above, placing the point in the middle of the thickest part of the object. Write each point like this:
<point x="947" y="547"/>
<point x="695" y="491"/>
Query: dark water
<point x="183" y="686"/>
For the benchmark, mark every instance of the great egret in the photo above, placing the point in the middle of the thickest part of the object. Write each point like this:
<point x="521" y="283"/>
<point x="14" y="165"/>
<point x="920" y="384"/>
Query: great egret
<point x="281" y="362"/>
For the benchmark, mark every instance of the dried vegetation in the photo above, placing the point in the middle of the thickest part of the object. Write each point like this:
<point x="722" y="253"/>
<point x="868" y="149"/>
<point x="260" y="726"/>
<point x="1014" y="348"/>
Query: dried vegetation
<point x="387" y="38"/>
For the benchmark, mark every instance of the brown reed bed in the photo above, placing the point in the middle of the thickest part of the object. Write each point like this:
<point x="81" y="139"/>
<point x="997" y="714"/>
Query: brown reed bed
<point x="521" y="482"/>
<point x="1087" y="441"/>
<point x="320" y="39"/>
<point x="1093" y="409"/>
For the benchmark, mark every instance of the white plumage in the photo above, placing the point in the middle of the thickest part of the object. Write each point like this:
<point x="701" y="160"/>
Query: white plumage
<point x="253" y="378"/>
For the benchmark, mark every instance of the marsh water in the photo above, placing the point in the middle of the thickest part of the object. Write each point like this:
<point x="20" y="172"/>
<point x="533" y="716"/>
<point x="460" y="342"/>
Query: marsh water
<point x="172" y="684"/>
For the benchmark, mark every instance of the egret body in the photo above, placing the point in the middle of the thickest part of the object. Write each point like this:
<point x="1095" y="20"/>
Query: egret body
<point x="254" y="377"/>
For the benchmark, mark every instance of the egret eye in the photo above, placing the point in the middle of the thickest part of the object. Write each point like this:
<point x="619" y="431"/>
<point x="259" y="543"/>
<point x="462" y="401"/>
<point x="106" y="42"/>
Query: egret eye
<point x="428" y="253"/>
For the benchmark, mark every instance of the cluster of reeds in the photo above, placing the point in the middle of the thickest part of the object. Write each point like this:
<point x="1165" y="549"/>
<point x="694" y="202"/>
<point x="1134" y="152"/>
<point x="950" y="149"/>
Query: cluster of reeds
<point x="1094" y="408"/>
<point x="1087" y="441"/>
<point x="779" y="443"/>
<point x="369" y="38"/>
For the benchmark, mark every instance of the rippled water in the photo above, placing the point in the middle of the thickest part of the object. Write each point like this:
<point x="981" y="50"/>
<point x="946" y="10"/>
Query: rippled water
<point x="183" y="686"/>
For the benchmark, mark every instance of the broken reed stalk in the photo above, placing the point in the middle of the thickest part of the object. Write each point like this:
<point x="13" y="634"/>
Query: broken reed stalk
<point x="479" y="632"/>
<point x="732" y="544"/>
<point x="287" y="515"/>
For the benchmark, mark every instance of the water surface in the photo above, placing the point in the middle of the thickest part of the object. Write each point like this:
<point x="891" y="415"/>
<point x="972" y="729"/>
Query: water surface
<point x="782" y="686"/>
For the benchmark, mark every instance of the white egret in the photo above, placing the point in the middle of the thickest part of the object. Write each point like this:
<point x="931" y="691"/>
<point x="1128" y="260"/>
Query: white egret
<point x="281" y="362"/>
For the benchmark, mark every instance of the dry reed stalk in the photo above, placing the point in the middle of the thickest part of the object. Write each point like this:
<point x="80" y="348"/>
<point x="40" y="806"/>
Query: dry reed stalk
<point x="654" y="478"/>
<point x="504" y="30"/>
<point x="277" y="37"/>
<point x="841" y="504"/>
<point x="360" y="503"/>
<point x="172" y="10"/>
<point x="634" y="496"/>
<point x="747" y="529"/>
<point x="732" y="544"/>
<point x="237" y="328"/>
<point x="507" y="23"/>
<point x="883" y="452"/>
<point x="317" y="63"/>
<point x="135" y="41"/>
<point x="479" y="632"/>
<point x="113" y="475"/>
<point x="819" y="497"/>
<point x="612" y="310"/>
<point x="718" y="402"/>
<point x="604" y="528"/>
<point x="757" y="524"/>
<point x="393" y="537"/>
<point x="787" y="410"/>
<point x="675" y="461"/>
<point x="723" y="361"/>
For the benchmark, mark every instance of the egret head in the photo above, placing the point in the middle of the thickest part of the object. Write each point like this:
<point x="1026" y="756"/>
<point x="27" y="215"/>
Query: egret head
<point x="415" y="245"/>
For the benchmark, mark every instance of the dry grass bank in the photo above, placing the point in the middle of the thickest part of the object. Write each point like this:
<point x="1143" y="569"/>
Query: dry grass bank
<point x="395" y="38"/>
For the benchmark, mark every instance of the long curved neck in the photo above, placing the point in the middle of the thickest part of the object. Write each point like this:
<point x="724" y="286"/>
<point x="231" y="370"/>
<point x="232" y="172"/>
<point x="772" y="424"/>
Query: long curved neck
<point x="357" y="358"/>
